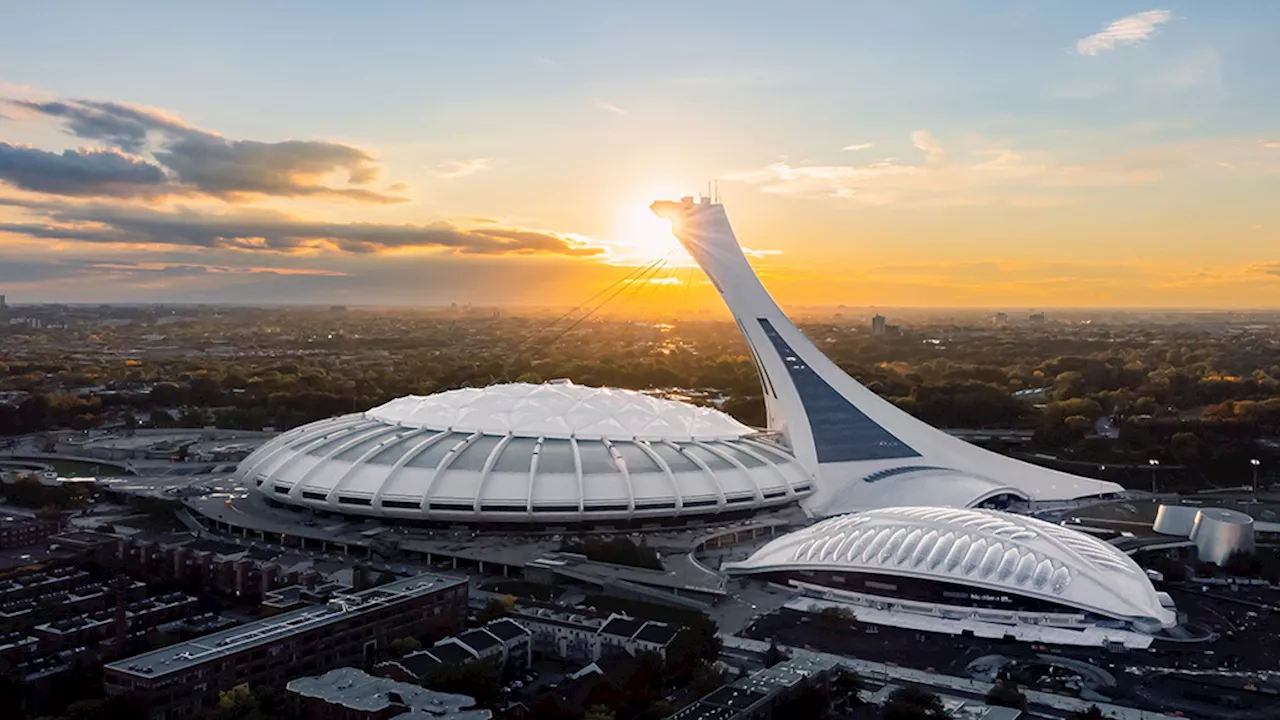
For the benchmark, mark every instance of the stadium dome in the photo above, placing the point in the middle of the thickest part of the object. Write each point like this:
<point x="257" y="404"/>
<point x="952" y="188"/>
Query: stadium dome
<point x="970" y="548"/>
<point x="523" y="453"/>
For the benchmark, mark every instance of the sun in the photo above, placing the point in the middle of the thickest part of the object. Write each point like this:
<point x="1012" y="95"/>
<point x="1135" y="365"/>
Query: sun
<point x="643" y="237"/>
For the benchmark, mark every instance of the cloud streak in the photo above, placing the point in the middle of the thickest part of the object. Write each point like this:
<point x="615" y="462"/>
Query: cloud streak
<point x="1128" y="30"/>
<point x="273" y="232"/>
<point x="859" y="146"/>
<point x="80" y="173"/>
<point x="200" y="162"/>
<point x="983" y="176"/>
<point x="927" y="143"/>
<point x="462" y="168"/>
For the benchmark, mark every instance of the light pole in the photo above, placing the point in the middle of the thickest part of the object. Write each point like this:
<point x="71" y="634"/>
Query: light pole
<point x="1154" y="464"/>
<point x="1255" y="462"/>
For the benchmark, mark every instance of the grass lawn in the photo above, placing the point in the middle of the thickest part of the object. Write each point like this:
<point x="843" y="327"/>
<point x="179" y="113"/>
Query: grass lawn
<point x="75" y="468"/>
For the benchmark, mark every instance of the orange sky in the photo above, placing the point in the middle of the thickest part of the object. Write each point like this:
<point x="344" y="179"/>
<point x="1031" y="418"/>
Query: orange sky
<point x="976" y="156"/>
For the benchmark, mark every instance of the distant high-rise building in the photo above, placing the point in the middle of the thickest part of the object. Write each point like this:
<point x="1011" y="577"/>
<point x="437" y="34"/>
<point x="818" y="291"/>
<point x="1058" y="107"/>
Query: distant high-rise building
<point x="1036" y="318"/>
<point x="877" y="325"/>
<point x="2" y="304"/>
<point x="1001" y="318"/>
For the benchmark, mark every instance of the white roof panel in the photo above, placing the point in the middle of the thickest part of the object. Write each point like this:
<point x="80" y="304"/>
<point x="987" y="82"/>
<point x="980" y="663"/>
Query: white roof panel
<point x="981" y="548"/>
<point x="560" y="410"/>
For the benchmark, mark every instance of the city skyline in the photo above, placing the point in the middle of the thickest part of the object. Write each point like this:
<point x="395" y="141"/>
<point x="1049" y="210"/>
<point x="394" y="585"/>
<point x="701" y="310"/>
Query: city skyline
<point x="928" y="155"/>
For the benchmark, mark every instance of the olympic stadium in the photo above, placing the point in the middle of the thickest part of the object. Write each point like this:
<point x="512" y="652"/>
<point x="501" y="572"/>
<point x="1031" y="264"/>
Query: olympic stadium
<point x="955" y="564"/>
<point x="562" y="453"/>
<point x="551" y="453"/>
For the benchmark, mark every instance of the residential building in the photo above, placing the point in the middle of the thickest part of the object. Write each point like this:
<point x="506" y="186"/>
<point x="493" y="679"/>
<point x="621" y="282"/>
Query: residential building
<point x="176" y="681"/>
<point x="503" y="642"/>
<point x="94" y="628"/>
<point x="585" y="637"/>
<point x="756" y="696"/>
<point x="18" y="531"/>
<point x="957" y="706"/>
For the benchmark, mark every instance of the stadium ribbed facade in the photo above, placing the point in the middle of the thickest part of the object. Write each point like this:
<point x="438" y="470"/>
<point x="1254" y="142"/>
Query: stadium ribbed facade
<point x="520" y="453"/>
<point x="935" y="559"/>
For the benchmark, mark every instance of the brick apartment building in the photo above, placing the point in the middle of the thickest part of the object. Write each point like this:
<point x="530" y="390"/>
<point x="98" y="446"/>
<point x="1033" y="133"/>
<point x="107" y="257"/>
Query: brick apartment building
<point x="18" y="531"/>
<point x="177" y="681"/>
<point x="223" y="567"/>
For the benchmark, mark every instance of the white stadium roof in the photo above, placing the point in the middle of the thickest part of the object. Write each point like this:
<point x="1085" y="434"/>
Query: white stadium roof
<point x="560" y="410"/>
<point x="978" y="548"/>
<point x="528" y="453"/>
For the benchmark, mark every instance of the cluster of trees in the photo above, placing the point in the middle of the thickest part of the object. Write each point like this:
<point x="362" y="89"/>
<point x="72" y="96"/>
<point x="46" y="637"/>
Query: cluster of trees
<point x="618" y="549"/>
<point x="1195" y="398"/>
<point x="28" y="492"/>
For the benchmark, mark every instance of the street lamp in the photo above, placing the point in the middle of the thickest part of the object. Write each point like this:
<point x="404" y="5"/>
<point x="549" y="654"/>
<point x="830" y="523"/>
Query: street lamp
<point x="1154" y="464"/>
<point x="1255" y="462"/>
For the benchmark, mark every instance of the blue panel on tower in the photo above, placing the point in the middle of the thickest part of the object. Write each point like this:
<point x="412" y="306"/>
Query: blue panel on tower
<point x="841" y="432"/>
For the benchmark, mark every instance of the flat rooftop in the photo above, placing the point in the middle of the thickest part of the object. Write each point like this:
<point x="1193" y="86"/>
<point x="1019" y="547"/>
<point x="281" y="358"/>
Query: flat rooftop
<point x="184" y="655"/>
<point x="356" y="690"/>
<point x="786" y="673"/>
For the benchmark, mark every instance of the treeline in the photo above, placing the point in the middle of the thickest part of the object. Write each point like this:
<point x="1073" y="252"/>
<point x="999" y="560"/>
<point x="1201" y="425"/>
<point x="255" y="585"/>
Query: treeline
<point x="1183" y="396"/>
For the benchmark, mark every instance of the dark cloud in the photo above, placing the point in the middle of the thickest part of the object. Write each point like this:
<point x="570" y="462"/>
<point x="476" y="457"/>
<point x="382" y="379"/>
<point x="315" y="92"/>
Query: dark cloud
<point x="80" y="173"/>
<point x="275" y="232"/>
<point x="247" y="167"/>
<point x="123" y="126"/>
<point x="202" y="162"/>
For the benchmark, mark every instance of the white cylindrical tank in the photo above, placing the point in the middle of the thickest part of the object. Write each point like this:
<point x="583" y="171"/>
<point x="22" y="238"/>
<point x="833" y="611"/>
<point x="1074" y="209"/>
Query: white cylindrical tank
<point x="1175" y="520"/>
<point x="1219" y="533"/>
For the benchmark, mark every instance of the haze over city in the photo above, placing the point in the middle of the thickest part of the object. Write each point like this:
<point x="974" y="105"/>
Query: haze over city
<point x="979" y="154"/>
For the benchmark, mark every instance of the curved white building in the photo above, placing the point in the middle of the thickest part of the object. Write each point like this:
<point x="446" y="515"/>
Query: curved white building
<point x="863" y="450"/>
<point x="519" y="453"/>
<point x="940" y="558"/>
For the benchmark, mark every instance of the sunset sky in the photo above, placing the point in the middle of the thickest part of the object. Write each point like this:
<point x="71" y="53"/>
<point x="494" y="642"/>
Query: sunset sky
<point x="916" y="153"/>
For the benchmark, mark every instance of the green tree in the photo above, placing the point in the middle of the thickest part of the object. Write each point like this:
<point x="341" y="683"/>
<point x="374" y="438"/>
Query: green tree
<point x="773" y="655"/>
<point x="599" y="712"/>
<point x="912" y="702"/>
<point x="706" y="678"/>
<point x="835" y="618"/>
<point x="1006" y="694"/>
<point x="405" y="645"/>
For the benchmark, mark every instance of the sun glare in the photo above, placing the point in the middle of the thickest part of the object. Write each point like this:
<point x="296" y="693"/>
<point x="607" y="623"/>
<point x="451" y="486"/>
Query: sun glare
<point x="644" y="237"/>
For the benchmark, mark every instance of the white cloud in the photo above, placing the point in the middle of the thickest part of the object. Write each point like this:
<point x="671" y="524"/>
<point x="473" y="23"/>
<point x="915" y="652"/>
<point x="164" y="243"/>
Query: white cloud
<point x="933" y="150"/>
<point x="610" y="107"/>
<point x="859" y="146"/>
<point x="1271" y="144"/>
<point x="1125" y="31"/>
<point x="980" y="172"/>
<point x="462" y="168"/>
